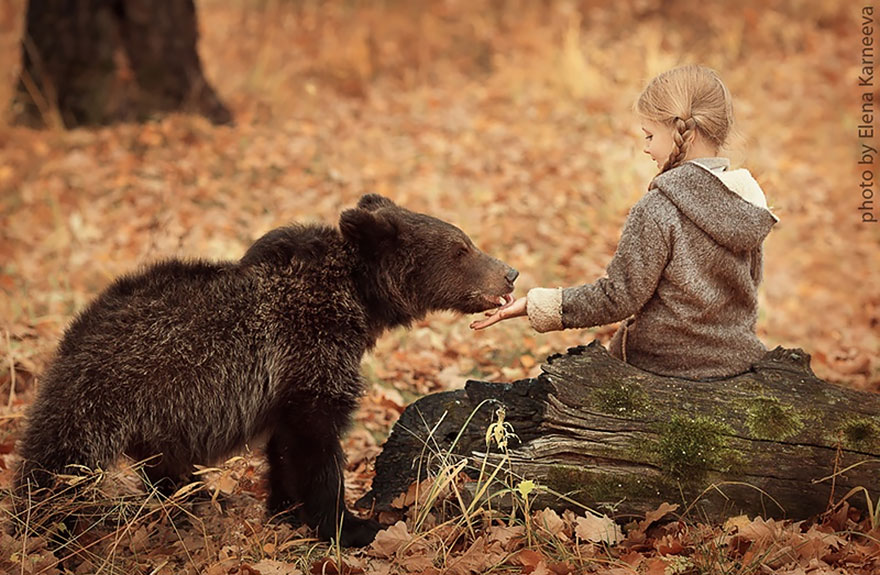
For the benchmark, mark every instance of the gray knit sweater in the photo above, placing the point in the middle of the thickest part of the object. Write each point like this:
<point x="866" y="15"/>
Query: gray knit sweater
<point x="685" y="276"/>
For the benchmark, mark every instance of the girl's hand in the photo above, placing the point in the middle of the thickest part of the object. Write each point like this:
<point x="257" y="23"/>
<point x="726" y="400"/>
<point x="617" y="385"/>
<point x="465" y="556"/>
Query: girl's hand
<point x="516" y="308"/>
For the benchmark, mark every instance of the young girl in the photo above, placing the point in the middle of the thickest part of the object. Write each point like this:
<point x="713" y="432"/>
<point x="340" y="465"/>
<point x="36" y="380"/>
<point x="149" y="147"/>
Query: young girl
<point x="686" y="272"/>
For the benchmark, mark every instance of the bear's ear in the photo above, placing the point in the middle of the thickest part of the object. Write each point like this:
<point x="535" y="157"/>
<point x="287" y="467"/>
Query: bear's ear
<point x="369" y="229"/>
<point x="373" y="202"/>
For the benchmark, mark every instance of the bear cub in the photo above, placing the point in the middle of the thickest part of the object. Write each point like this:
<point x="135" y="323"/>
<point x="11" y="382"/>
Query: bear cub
<point x="189" y="360"/>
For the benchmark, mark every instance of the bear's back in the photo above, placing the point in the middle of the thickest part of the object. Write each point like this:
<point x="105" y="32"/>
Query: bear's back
<point x="301" y="245"/>
<point x="158" y="293"/>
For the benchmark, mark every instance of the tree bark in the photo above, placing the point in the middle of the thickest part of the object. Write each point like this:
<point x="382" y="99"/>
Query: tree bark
<point x="69" y="62"/>
<point x="611" y="436"/>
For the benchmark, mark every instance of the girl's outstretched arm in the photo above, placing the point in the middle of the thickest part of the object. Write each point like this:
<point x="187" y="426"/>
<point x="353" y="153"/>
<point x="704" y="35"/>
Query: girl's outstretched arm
<point x="630" y="281"/>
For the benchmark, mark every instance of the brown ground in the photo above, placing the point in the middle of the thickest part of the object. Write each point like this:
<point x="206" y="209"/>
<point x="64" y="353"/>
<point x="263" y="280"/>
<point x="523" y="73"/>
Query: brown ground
<point x="513" y="120"/>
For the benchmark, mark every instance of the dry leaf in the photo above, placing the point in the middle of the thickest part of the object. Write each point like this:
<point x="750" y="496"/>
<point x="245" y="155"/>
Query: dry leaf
<point x="419" y="562"/>
<point x="761" y="530"/>
<point x="533" y="562"/>
<point x="550" y="522"/>
<point x="420" y="490"/>
<point x="508" y="536"/>
<point x="327" y="566"/>
<point x="540" y="569"/>
<point x="669" y="545"/>
<point x="817" y="544"/>
<point x="655" y="566"/>
<point x="659" y="513"/>
<point x="271" y="567"/>
<point x="389" y="541"/>
<point x="474" y="560"/>
<point x="598" y="529"/>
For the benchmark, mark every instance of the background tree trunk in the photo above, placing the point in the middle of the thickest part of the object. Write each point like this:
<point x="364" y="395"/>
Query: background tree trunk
<point x="610" y="435"/>
<point x="70" y="50"/>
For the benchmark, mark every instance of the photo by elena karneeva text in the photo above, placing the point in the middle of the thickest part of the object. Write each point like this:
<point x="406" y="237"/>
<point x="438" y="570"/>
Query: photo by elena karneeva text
<point x="870" y="205"/>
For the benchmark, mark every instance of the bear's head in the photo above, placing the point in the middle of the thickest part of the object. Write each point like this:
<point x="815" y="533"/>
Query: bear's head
<point x="415" y="263"/>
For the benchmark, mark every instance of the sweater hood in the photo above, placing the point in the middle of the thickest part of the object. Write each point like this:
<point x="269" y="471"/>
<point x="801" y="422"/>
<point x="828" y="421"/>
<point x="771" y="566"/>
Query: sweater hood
<point x="728" y="205"/>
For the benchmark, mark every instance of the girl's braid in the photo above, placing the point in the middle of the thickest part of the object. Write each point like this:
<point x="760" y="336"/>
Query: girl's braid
<point x="681" y="138"/>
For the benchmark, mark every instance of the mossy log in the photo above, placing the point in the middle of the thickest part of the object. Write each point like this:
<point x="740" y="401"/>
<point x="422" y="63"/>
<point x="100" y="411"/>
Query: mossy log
<point x="611" y="436"/>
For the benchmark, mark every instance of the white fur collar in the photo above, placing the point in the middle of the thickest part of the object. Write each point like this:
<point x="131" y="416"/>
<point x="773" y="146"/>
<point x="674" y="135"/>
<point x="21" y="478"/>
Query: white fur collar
<point x="740" y="181"/>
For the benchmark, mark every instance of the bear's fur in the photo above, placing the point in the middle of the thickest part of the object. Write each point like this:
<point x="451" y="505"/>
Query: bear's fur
<point x="191" y="360"/>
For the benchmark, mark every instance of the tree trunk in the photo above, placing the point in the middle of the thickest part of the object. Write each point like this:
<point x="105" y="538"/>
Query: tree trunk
<point x="611" y="436"/>
<point x="69" y="62"/>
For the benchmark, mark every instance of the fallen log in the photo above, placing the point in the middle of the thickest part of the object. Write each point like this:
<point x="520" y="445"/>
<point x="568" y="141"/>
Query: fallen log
<point x="776" y="441"/>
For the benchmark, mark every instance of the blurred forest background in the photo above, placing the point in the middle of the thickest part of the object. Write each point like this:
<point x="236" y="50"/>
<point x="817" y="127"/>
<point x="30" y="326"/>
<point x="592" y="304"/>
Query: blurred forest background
<point x="511" y="118"/>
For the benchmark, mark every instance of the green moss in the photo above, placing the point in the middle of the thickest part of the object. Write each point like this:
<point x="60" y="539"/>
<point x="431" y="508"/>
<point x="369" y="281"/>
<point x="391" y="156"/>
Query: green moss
<point x="749" y="385"/>
<point x="768" y="418"/>
<point x="861" y="433"/>
<point x="589" y="487"/>
<point x="621" y="398"/>
<point x="689" y="447"/>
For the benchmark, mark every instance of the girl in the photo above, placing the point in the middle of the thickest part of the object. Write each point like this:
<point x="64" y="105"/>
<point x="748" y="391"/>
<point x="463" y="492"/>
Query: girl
<point x="688" y="265"/>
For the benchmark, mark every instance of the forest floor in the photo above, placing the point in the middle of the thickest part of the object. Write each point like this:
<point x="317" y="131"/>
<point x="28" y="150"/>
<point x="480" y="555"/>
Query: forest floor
<point x="514" y="121"/>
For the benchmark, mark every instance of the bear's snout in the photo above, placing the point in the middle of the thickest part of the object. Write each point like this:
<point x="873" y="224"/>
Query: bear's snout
<point x="494" y="282"/>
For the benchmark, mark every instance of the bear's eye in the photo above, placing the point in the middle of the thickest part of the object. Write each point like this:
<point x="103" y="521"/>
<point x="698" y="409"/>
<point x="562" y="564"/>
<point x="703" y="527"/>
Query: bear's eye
<point x="463" y="250"/>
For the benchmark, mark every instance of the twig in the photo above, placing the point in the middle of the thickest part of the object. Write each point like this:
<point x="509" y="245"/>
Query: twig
<point x="11" y="370"/>
<point x="836" y="468"/>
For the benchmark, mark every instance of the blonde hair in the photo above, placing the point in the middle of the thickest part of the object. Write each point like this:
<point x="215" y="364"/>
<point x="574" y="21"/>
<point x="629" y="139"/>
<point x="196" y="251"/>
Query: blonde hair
<point x="688" y="98"/>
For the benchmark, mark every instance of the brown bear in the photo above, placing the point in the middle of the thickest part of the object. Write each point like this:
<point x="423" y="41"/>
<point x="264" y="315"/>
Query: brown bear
<point x="191" y="359"/>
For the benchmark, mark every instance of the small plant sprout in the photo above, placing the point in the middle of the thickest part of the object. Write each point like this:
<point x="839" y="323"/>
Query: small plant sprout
<point x="525" y="488"/>
<point x="500" y="431"/>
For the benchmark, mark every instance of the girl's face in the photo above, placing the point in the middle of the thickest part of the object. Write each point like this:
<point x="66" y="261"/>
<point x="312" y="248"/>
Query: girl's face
<point x="658" y="141"/>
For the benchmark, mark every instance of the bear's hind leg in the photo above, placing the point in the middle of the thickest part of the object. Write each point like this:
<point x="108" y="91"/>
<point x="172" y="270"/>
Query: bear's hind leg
<point x="306" y="463"/>
<point x="58" y="445"/>
<point x="53" y="446"/>
<point x="166" y="477"/>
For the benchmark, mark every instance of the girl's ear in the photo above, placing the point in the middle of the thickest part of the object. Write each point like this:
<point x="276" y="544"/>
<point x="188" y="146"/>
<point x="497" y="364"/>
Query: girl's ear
<point x="368" y="229"/>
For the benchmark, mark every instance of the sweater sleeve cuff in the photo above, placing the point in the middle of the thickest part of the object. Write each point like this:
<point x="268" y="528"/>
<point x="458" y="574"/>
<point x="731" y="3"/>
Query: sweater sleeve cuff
<point x="544" y="306"/>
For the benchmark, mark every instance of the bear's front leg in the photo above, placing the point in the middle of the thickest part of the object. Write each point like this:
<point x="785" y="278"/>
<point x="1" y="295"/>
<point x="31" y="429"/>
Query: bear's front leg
<point x="306" y="463"/>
